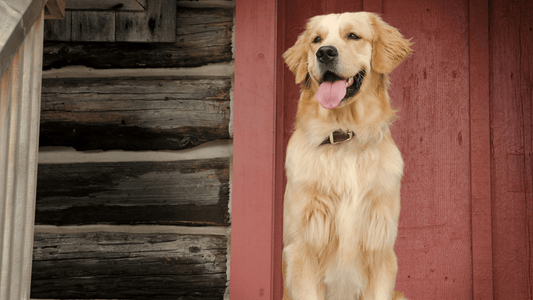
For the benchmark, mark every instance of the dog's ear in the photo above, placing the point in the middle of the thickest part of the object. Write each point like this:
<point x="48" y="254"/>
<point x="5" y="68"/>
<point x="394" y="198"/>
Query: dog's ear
<point x="389" y="48"/>
<point x="296" y="58"/>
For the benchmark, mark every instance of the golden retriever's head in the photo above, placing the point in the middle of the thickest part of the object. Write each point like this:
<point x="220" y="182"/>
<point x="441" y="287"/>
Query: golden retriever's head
<point x="338" y="51"/>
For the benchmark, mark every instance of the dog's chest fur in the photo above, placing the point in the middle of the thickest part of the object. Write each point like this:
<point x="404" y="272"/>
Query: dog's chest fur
<point x="352" y="167"/>
<point x="338" y="189"/>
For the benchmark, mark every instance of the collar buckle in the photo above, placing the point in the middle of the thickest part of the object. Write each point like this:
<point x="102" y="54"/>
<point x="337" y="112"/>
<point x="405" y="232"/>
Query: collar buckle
<point x="339" y="136"/>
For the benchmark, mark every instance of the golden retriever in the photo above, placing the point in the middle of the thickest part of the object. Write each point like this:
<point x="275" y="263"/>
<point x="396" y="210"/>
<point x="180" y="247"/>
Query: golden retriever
<point x="342" y="200"/>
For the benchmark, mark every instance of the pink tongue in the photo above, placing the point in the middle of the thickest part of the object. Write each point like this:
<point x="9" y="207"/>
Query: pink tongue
<point x="329" y="95"/>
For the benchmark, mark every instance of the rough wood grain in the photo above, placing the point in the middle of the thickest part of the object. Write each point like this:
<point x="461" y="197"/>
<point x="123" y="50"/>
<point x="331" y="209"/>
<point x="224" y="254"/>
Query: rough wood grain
<point x="143" y="113"/>
<point x="58" y="30"/>
<point x="482" y="269"/>
<point x="93" y="26"/>
<point x="105" y="265"/>
<point x="116" y="5"/>
<point x="190" y="192"/>
<point x="431" y="91"/>
<point x="511" y="98"/>
<point x="203" y="37"/>
<point x="156" y="24"/>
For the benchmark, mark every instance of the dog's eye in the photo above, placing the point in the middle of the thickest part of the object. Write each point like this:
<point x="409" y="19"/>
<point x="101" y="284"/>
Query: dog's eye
<point x="317" y="40"/>
<point x="353" y="36"/>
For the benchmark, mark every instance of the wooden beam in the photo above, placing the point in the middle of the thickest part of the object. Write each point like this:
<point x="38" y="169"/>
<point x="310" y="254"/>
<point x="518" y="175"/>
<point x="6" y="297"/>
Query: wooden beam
<point x="54" y="9"/>
<point x="185" y="192"/>
<point x="142" y="113"/>
<point x="122" y="265"/>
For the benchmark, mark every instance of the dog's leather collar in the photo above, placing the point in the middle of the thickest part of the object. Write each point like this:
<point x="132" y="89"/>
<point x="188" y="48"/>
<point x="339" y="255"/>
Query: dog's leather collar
<point x="338" y="136"/>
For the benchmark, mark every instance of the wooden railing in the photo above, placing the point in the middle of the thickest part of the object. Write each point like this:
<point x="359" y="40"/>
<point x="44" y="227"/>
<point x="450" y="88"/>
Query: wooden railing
<point x="21" y="49"/>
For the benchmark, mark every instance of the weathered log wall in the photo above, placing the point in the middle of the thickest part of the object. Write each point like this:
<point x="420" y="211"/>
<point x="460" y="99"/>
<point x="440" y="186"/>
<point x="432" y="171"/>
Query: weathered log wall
<point x="129" y="266"/>
<point x="117" y="225"/>
<point x="142" y="113"/>
<point x="203" y="36"/>
<point x="189" y="192"/>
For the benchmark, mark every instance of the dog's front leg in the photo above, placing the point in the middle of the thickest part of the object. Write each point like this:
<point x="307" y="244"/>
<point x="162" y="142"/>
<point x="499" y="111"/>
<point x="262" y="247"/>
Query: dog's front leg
<point x="379" y="243"/>
<point x="302" y="280"/>
<point x="382" y="276"/>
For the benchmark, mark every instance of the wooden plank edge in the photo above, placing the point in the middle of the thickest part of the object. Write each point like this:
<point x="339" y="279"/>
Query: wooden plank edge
<point x="142" y="3"/>
<point x="116" y="5"/>
<point x="279" y="156"/>
<point x="211" y="70"/>
<point x="480" y="168"/>
<point x="206" y="4"/>
<point x="185" y="230"/>
<point x="54" y="9"/>
<point x="67" y="155"/>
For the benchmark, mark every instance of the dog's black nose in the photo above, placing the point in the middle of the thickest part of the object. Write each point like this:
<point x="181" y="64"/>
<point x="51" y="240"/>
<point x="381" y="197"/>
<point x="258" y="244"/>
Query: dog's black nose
<point x="327" y="53"/>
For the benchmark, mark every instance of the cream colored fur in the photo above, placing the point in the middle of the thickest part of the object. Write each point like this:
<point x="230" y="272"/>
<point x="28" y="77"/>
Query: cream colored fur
<point x="342" y="202"/>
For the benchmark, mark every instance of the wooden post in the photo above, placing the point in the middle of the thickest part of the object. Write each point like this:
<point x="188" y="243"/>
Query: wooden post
<point x="20" y="95"/>
<point x="252" y="238"/>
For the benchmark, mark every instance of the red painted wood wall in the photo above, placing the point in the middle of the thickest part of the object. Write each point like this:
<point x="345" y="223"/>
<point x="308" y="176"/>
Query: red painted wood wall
<point x="465" y="130"/>
<point x="511" y="100"/>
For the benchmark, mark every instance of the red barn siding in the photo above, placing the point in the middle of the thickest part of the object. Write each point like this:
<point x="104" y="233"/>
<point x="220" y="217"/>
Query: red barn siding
<point x="467" y="194"/>
<point x="480" y="151"/>
<point x="511" y="96"/>
<point x="431" y="91"/>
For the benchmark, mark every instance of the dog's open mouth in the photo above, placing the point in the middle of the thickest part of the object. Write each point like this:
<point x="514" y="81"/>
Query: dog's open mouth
<point x="334" y="89"/>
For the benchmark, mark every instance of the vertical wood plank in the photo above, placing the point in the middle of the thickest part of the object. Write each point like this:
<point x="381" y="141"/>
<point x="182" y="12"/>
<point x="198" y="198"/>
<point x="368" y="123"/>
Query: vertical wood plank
<point x="342" y="6"/>
<point x="58" y="30"/>
<point x="93" y="26"/>
<point x="480" y="150"/>
<point x="279" y="167"/>
<point x="157" y="24"/>
<point x="375" y="6"/>
<point x="19" y="127"/>
<point x="33" y="92"/>
<point x="10" y="102"/>
<point x="431" y="91"/>
<point x="511" y="100"/>
<point x="253" y="150"/>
